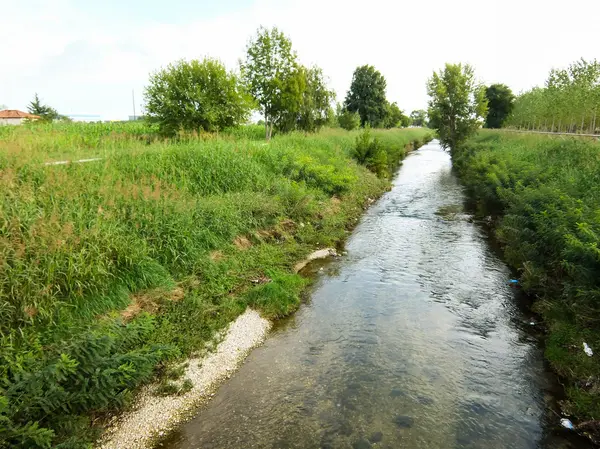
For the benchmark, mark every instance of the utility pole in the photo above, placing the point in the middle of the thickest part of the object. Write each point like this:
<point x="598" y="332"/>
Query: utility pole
<point x="133" y="99"/>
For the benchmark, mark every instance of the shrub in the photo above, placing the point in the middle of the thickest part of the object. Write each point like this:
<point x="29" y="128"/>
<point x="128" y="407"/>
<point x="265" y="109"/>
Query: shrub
<point x="195" y="96"/>
<point x="370" y="153"/>
<point x="349" y="120"/>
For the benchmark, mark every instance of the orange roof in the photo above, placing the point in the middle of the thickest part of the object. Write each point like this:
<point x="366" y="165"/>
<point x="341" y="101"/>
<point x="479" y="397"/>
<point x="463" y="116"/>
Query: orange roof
<point x="13" y="113"/>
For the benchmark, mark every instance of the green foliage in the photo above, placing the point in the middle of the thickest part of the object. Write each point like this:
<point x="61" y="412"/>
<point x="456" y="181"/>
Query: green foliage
<point x="369" y="152"/>
<point x="152" y="225"/>
<point x="545" y="192"/>
<point x="367" y="96"/>
<point x="394" y="117"/>
<point x="46" y="113"/>
<point x="500" y="104"/>
<point x="290" y="96"/>
<point x="569" y="102"/>
<point x="316" y="101"/>
<point x="273" y="76"/>
<point x="348" y="120"/>
<point x="457" y="104"/>
<point x="419" y="117"/>
<point x="379" y="156"/>
<point x="196" y="96"/>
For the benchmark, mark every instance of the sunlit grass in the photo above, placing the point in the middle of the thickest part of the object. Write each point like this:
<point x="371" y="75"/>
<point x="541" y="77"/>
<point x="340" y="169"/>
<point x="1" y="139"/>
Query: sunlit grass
<point x="93" y="256"/>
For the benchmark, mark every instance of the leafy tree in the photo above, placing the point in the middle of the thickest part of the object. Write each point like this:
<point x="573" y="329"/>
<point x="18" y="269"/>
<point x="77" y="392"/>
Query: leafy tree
<point x="569" y="102"/>
<point x="45" y="112"/>
<point x="194" y="96"/>
<point x="315" y="110"/>
<point x="500" y="104"/>
<point x="393" y="116"/>
<point x="405" y="121"/>
<point x="273" y="76"/>
<point x="3" y="107"/>
<point x="367" y="96"/>
<point x="418" y="117"/>
<point x="289" y="102"/>
<point x="346" y="119"/>
<point x="457" y="106"/>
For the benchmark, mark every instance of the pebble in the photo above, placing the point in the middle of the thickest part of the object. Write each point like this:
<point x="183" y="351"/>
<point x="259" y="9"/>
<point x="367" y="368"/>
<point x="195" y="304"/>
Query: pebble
<point x="157" y="415"/>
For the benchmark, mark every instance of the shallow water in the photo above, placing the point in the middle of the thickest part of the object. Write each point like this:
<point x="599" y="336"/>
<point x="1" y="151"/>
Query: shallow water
<point x="412" y="340"/>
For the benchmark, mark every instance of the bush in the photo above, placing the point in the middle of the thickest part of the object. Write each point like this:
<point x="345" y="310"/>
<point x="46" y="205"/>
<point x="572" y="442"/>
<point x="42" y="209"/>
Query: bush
<point x="370" y="153"/>
<point x="196" y="96"/>
<point x="349" y="120"/>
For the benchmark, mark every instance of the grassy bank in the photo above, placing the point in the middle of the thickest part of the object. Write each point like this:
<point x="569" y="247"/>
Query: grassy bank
<point x="111" y="269"/>
<point x="545" y="192"/>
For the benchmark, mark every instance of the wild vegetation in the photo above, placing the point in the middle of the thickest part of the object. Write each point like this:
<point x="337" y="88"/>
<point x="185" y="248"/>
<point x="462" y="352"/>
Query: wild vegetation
<point x="501" y="101"/>
<point x="175" y="101"/>
<point x="457" y="105"/>
<point x="111" y="269"/>
<point x="45" y="112"/>
<point x="544" y="193"/>
<point x="569" y="102"/>
<point x="367" y="98"/>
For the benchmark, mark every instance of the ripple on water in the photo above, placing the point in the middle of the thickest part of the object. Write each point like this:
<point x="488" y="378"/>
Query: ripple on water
<point x="411" y="341"/>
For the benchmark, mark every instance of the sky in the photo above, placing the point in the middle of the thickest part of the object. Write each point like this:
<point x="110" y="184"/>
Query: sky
<point x="86" y="57"/>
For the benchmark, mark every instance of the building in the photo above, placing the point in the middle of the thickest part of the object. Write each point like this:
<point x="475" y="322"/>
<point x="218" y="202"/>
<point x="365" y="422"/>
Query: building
<point x="14" y="117"/>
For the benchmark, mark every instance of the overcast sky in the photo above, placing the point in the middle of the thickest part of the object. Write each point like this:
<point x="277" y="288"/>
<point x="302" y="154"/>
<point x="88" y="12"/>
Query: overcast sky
<point x="85" y="57"/>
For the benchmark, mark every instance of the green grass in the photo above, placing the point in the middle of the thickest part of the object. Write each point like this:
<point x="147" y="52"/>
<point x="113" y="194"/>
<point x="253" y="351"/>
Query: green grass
<point x="545" y="192"/>
<point x="112" y="270"/>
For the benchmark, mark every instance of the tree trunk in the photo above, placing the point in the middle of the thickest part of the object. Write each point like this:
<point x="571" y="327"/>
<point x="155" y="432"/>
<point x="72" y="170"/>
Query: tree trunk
<point x="266" y="127"/>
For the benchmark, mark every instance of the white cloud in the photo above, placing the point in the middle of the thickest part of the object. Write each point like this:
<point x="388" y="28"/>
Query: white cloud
<point x="80" y="63"/>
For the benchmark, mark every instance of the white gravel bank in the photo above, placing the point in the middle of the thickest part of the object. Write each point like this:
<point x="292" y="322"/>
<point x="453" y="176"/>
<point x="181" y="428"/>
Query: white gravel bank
<point x="153" y="416"/>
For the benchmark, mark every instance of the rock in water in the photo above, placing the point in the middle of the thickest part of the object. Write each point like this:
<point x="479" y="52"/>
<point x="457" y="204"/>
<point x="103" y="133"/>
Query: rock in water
<point x="403" y="422"/>
<point x="361" y="444"/>
<point x="376" y="437"/>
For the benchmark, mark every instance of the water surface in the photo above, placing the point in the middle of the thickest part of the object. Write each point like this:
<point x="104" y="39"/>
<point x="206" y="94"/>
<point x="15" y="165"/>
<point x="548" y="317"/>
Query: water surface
<point x="412" y="340"/>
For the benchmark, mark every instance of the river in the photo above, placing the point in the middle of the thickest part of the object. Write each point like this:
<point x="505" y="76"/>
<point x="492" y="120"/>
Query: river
<point x="414" y="339"/>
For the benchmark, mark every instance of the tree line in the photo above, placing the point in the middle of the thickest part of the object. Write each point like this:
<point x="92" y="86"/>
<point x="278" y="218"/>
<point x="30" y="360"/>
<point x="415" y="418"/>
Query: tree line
<point x="206" y="96"/>
<point x="569" y="101"/>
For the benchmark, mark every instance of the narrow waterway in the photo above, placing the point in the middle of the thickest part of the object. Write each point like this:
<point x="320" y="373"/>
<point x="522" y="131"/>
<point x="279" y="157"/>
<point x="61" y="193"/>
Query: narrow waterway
<point x="412" y="340"/>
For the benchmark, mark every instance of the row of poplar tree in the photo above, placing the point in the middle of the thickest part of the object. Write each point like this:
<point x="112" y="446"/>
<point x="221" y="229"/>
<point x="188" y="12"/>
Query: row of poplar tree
<point x="569" y="101"/>
<point x="206" y="96"/>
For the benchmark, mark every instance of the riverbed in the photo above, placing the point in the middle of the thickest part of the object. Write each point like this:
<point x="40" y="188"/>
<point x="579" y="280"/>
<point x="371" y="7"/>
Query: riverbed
<point x="414" y="339"/>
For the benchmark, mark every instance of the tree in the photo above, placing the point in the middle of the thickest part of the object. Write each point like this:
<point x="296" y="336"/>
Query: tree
<point x="272" y="75"/>
<point x="367" y="96"/>
<point x="315" y="110"/>
<point x="500" y="104"/>
<point x="569" y="102"/>
<point x="3" y="107"/>
<point x="457" y="106"/>
<point x="45" y="112"/>
<point x="418" y="117"/>
<point x="346" y="119"/>
<point x="196" y="95"/>
<point x="394" y="117"/>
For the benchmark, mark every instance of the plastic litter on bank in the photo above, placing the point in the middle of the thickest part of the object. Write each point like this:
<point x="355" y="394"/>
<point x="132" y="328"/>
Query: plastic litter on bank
<point x="587" y="349"/>
<point x="567" y="424"/>
<point x="514" y="281"/>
